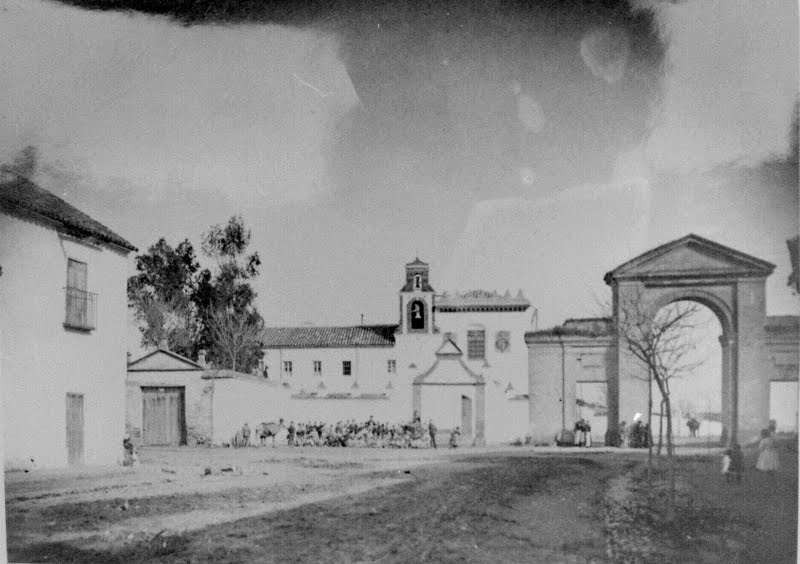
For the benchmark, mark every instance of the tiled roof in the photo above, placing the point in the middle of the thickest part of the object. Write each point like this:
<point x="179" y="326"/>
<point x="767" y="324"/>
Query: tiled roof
<point x="20" y="194"/>
<point x="329" y="337"/>
<point x="481" y="300"/>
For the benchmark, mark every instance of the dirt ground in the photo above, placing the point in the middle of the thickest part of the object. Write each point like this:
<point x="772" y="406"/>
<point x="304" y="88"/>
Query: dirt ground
<point x="370" y="505"/>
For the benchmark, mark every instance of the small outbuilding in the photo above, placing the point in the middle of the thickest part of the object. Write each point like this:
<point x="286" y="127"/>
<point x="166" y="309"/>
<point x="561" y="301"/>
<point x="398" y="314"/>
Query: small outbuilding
<point x="172" y="400"/>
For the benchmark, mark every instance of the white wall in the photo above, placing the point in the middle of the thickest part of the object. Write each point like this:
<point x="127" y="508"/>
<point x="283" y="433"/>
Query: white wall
<point x="369" y="367"/>
<point x="414" y="354"/>
<point x="238" y="401"/>
<point x="443" y="405"/>
<point x="41" y="361"/>
<point x="506" y="367"/>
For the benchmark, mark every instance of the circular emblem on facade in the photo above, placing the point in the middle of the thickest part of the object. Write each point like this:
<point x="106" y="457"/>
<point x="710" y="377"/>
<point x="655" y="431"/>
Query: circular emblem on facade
<point x="502" y="341"/>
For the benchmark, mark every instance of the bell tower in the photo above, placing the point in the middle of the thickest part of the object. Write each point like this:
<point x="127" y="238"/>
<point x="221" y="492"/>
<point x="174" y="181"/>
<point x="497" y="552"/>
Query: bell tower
<point x="417" y="300"/>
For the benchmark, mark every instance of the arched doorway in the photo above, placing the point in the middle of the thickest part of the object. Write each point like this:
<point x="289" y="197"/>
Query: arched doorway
<point x="694" y="365"/>
<point x="732" y="285"/>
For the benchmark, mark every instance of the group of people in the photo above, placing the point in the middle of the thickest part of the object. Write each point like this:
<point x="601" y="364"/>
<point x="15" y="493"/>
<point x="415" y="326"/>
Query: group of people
<point x="768" y="459"/>
<point x="583" y="433"/>
<point x="351" y="433"/>
<point x="637" y="435"/>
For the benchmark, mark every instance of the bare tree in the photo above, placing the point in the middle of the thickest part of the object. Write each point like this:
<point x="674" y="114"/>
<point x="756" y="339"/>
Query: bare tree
<point x="235" y="336"/>
<point x="661" y="341"/>
<point x="173" y="319"/>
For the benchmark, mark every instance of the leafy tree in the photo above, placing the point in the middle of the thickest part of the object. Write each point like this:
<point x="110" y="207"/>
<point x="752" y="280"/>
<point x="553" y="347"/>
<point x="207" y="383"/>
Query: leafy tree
<point x="201" y="309"/>
<point x="162" y="296"/>
<point x="232" y="327"/>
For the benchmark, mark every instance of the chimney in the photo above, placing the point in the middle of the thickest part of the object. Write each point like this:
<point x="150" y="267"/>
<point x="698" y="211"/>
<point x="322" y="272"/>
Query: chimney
<point x="201" y="357"/>
<point x="163" y="344"/>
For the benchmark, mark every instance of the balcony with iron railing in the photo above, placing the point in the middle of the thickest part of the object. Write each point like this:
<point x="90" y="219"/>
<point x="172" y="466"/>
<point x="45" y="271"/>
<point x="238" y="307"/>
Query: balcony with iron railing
<point x="81" y="311"/>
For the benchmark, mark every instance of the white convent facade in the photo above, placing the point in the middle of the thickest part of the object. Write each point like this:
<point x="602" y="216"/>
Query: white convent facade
<point x="459" y="360"/>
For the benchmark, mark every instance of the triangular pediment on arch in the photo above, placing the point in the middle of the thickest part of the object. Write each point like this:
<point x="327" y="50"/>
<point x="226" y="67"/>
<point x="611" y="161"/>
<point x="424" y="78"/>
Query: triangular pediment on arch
<point x="694" y="257"/>
<point x="161" y="360"/>
<point x="448" y="348"/>
<point x="449" y="369"/>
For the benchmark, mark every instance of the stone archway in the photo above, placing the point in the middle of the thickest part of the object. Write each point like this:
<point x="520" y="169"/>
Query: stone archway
<point x="732" y="285"/>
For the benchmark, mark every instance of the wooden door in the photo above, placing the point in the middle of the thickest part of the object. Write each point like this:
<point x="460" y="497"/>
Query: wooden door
<point x="163" y="416"/>
<point x="74" y="429"/>
<point x="466" y="416"/>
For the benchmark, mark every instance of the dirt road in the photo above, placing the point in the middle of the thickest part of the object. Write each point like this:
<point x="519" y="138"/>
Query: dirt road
<point x="307" y="508"/>
<point x="345" y="505"/>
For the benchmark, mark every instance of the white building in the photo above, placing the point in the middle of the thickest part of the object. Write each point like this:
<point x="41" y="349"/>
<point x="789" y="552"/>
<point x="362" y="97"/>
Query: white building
<point x="63" y="316"/>
<point x="460" y="360"/>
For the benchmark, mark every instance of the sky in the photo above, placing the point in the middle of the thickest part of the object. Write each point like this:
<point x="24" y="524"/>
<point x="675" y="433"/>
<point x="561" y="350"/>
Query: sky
<point x="529" y="146"/>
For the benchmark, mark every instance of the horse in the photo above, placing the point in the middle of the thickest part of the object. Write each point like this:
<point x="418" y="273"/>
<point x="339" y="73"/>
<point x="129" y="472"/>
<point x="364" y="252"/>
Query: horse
<point x="271" y="429"/>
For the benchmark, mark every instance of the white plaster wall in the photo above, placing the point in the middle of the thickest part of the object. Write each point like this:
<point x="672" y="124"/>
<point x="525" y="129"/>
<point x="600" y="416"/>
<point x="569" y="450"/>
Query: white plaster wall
<point x="41" y="361"/>
<point x="237" y="402"/>
<point x="369" y="367"/>
<point x="506" y="367"/>
<point x="506" y="419"/>
<point x="443" y="405"/>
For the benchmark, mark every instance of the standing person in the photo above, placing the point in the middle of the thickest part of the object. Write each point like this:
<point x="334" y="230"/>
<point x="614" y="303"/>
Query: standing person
<point x="291" y="430"/>
<point x="432" y="432"/>
<point x="623" y="434"/>
<point x="454" y="435"/>
<point x="767" y="453"/>
<point x="246" y="435"/>
<point x="587" y="430"/>
<point x="693" y="425"/>
<point x="130" y="453"/>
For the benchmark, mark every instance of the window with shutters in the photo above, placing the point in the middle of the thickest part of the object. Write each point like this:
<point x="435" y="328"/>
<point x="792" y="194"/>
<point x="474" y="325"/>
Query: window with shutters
<point x="347" y="368"/>
<point x="287" y="367"/>
<point x="81" y="305"/>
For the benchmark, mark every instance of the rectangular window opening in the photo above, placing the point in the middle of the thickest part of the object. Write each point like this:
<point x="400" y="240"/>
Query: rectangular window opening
<point x="476" y="344"/>
<point x="81" y="305"/>
<point x="347" y="368"/>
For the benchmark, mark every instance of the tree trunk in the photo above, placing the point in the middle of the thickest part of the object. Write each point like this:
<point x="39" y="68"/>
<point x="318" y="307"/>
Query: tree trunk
<point x="670" y="446"/>
<point x="671" y="457"/>
<point x="660" y="427"/>
<point x="650" y="432"/>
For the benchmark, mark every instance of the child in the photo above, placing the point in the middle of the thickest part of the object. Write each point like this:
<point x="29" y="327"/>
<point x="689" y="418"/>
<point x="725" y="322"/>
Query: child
<point x="130" y="453"/>
<point x="726" y="464"/>
<point x="732" y="463"/>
